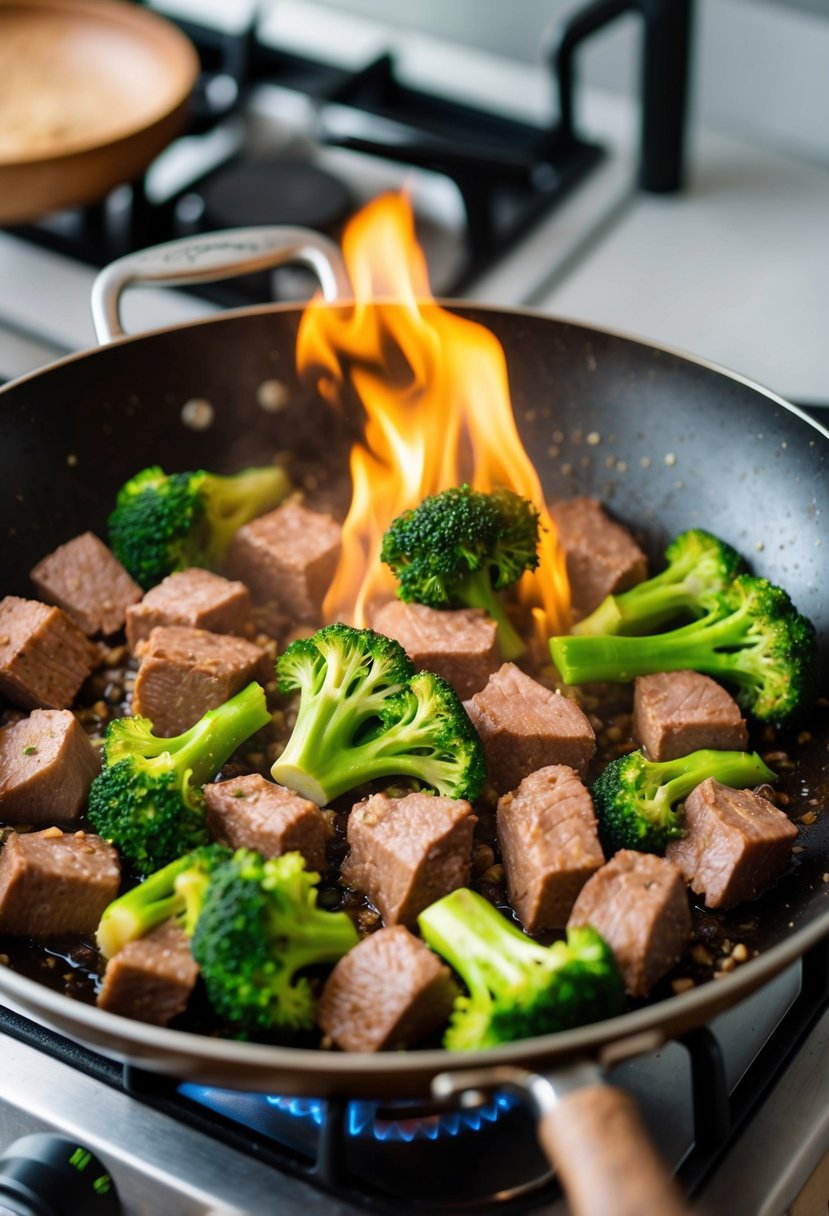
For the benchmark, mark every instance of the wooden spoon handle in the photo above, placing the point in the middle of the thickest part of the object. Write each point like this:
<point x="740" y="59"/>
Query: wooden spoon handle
<point x="595" y="1139"/>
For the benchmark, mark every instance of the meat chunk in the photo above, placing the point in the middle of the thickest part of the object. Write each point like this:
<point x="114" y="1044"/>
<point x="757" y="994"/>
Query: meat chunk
<point x="151" y="979"/>
<point x="198" y="598"/>
<point x="639" y="905"/>
<point x="388" y="992"/>
<point x="736" y="844"/>
<point x="86" y="580"/>
<point x="184" y="672"/>
<point x="678" y="712"/>
<point x="602" y="556"/>
<point x="288" y="558"/>
<point x="252" y="813"/>
<point x="408" y="852"/>
<point x="549" y="845"/>
<point x="525" y="726"/>
<point x="47" y="763"/>
<point x="460" y="645"/>
<point x="55" y="884"/>
<point x="44" y="656"/>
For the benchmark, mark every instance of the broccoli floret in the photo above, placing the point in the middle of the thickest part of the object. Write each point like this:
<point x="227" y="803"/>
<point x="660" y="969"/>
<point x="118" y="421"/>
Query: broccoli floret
<point x="700" y="566"/>
<point x="258" y="927"/>
<point x="752" y="636"/>
<point x="363" y="714"/>
<point x="175" y="892"/>
<point x="162" y="523"/>
<point x="635" y="798"/>
<point x="517" y="988"/>
<point x="459" y="548"/>
<point x="146" y="798"/>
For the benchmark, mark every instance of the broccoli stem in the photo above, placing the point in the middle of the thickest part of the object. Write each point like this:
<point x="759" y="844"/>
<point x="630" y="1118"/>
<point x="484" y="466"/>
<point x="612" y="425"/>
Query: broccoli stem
<point x="677" y="778"/>
<point x="476" y="591"/>
<point x="233" y="501"/>
<point x="593" y="659"/>
<point x="140" y="910"/>
<point x="203" y="749"/>
<point x="646" y="609"/>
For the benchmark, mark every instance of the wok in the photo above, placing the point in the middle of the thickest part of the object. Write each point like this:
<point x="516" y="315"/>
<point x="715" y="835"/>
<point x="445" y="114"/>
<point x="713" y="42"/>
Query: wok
<point x="681" y="443"/>
<point x="92" y="91"/>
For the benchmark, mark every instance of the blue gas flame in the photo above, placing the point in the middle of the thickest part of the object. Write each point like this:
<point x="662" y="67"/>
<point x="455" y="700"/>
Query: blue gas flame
<point x="362" y="1118"/>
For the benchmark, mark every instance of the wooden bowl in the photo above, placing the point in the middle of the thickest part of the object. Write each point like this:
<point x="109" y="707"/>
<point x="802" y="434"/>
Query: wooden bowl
<point x="91" y="91"/>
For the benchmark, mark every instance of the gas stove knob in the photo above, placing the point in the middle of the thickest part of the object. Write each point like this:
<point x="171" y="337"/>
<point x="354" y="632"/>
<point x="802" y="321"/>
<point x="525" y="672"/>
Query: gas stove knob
<point x="50" y="1175"/>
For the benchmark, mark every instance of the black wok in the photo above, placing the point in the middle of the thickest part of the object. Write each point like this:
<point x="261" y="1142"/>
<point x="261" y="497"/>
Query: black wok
<point x="680" y="444"/>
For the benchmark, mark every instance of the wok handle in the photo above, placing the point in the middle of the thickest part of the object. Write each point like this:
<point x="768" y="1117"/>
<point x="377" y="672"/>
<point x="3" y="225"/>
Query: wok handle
<point x="211" y="256"/>
<point x="590" y="1132"/>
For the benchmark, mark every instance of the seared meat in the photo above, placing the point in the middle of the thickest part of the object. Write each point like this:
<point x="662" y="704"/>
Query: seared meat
<point x="678" y="712"/>
<point x="549" y="845"/>
<point x="196" y="597"/>
<point x="86" y="580"/>
<point x="252" y="813"/>
<point x="408" y="852"/>
<point x="44" y="656"/>
<point x="525" y="726"/>
<point x="47" y="762"/>
<point x="736" y="844"/>
<point x="602" y="556"/>
<point x="287" y="558"/>
<point x="184" y="672"/>
<point x="152" y="978"/>
<point x="460" y="645"/>
<point x="388" y="992"/>
<point x="56" y="884"/>
<point x="639" y="905"/>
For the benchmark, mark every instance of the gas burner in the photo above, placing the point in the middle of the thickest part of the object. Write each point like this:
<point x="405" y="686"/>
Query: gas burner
<point x="437" y="1157"/>
<point x="292" y="192"/>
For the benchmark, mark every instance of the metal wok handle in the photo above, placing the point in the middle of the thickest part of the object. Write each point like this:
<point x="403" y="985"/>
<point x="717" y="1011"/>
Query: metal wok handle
<point x="212" y="256"/>
<point x="591" y="1133"/>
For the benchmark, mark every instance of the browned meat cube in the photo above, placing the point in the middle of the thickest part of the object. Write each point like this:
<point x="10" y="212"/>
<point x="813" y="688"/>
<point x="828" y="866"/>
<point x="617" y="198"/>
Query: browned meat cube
<point x="678" y="712"/>
<point x="198" y="598"/>
<point x="151" y="979"/>
<point x="549" y="845"/>
<point x="288" y="558"/>
<point x="47" y="762"/>
<point x="44" y="656"/>
<point x="184" y="672"/>
<point x="388" y="992"/>
<point x="639" y="904"/>
<point x="459" y="645"/>
<point x="408" y="852"/>
<point x="602" y="556"/>
<point x="525" y="726"/>
<point x="86" y="580"/>
<point x="253" y="813"/>
<point x="55" y="884"/>
<point x="736" y="844"/>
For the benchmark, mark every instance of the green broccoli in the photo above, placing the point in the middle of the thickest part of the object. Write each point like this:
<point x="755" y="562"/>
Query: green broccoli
<point x="752" y="636"/>
<point x="700" y="565"/>
<point x="517" y="988"/>
<point x="174" y="893"/>
<point x="146" y="798"/>
<point x="259" y="925"/>
<point x="634" y="797"/>
<point x="363" y="714"/>
<point x="162" y="523"/>
<point x="459" y="548"/>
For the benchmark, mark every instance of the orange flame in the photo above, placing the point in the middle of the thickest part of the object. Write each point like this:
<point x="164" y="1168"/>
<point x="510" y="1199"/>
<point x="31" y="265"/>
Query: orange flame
<point x="435" y="392"/>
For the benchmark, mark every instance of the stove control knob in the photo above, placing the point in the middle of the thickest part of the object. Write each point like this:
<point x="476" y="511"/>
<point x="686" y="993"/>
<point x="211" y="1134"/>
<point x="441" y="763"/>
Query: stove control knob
<point x="50" y="1175"/>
